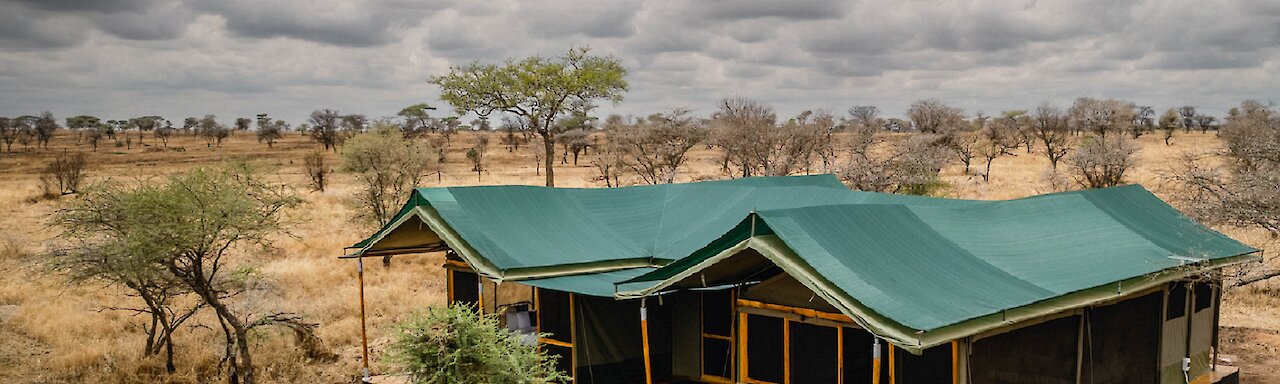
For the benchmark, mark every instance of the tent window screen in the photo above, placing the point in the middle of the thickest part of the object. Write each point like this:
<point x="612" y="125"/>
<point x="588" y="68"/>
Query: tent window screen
<point x="717" y="333"/>
<point x="1041" y="353"/>
<point x="1204" y="296"/>
<point x="554" y="315"/>
<point x="859" y="356"/>
<point x="1177" y="305"/>
<point x="766" y="344"/>
<point x="814" y="354"/>
<point x="464" y="287"/>
<point x="933" y="366"/>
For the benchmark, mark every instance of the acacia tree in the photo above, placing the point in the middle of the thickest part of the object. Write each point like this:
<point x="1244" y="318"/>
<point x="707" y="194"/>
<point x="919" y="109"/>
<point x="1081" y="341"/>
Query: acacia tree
<point x="9" y="132"/>
<point x="44" y="127"/>
<point x="537" y="89"/>
<point x="934" y="116"/>
<point x="998" y="138"/>
<point x="100" y="245"/>
<point x="191" y="230"/>
<point x="387" y="167"/>
<point x="325" y="125"/>
<point x="1169" y="122"/>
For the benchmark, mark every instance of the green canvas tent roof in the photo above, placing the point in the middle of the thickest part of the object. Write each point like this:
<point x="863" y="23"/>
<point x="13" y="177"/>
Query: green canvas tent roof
<point x="517" y="232"/>
<point x="927" y="274"/>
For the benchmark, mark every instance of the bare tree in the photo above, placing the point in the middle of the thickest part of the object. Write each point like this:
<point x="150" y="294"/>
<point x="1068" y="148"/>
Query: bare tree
<point x="1241" y="189"/>
<point x="998" y="138"/>
<point x="314" y="165"/>
<point x="9" y="132"/>
<point x="1102" y="162"/>
<point x="1143" y="121"/>
<point x="64" y="174"/>
<point x="742" y="128"/>
<point x="1049" y="125"/>
<point x="45" y="125"/>
<point x="475" y="155"/>
<point x="325" y="128"/>
<point x="935" y="116"/>
<point x="909" y="166"/>
<point x="93" y="136"/>
<point x="1101" y="116"/>
<point x="653" y="148"/>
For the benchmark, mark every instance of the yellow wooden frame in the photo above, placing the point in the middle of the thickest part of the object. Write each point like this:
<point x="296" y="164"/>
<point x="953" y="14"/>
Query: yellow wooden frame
<point x="702" y="348"/>
<point x="573" y="352"/>
<point x="803" y="312"/>
<point x="743" y="362"/>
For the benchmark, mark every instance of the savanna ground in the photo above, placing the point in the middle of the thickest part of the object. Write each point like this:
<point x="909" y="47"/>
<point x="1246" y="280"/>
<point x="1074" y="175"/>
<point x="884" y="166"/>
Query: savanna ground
<point x="52" y="332"/>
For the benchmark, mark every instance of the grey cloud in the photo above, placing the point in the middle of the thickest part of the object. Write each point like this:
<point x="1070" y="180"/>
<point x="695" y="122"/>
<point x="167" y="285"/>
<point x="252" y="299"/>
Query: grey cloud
<point x="753" y="9"/>
<point x="342" y="23"/>
<point x="580" y="17"/>
<point x="290" y="56"/>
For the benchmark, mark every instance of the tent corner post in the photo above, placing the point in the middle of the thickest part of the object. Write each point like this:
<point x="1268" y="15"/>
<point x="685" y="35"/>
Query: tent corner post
<point x="364" y="336"/>
<point x="644" y="334"/>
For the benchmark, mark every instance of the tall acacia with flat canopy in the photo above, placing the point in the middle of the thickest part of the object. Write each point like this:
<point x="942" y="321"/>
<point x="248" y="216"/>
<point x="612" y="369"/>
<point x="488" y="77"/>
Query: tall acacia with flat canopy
<point x="538" y="89"/>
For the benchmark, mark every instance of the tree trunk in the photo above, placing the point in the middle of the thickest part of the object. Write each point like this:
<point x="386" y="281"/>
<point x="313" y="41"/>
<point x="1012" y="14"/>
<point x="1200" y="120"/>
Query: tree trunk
<point x="243" y="368"/>
<point x="549" y="158"/>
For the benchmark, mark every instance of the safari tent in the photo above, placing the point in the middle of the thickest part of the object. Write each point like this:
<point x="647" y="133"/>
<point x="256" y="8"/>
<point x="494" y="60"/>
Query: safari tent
<point x="801" y="280"/>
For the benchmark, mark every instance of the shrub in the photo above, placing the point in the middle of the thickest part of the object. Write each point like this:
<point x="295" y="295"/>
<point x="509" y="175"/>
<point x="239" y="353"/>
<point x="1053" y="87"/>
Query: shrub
<point x="1101" y="162"/>
<point x="317" y="171"/>
<point x="457" y="345"/>
<point x="64" y="174"/>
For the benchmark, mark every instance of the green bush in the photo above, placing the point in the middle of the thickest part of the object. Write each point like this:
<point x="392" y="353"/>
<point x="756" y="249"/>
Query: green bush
<point x="457" y="345"/>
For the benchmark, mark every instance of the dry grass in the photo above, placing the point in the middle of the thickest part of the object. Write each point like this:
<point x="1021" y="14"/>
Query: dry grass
<point x="50" y="332"/>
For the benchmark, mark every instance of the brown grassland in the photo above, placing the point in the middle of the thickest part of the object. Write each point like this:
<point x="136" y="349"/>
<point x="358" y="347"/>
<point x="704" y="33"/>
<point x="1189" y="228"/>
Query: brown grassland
<point x="52" y="332"/>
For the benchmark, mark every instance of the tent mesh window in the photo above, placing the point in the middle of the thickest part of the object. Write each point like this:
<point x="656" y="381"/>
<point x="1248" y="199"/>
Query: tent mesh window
<point x="554" y="316"/>
<point x="717" y="331"/>
<point x="608" y="345"/>
<point x="1042" y="353"/>
<point x="465" y="287"/>
<point x="1204" y="296"/>
<point x="1177" y="306"/>
<point x="765" y="348"/>
<point x="858" y="356"/>
<point x="933" y="366"/>
<point x="814" y="353"/>
<point x="1121" y="342"/>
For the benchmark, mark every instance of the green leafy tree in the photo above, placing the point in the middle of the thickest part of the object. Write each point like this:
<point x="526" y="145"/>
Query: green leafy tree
<point x="457" y="345"/>
<point x="198" y="231"/>
<point x="537" y="89"/>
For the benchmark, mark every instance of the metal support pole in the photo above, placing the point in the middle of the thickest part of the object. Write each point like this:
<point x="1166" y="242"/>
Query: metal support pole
<point x="364" y="337"/>
<point x="644" y="333"/>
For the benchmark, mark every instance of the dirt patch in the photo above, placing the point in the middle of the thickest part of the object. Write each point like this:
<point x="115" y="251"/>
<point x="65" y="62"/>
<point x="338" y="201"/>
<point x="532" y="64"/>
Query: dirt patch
<point x="1256" y="351"/>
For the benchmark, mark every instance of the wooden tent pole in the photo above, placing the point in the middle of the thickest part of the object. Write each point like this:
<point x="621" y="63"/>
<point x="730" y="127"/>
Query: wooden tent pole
<point x="364" y="337"/>
<point x="644" y="333"/>
<point x="875" y="360"/>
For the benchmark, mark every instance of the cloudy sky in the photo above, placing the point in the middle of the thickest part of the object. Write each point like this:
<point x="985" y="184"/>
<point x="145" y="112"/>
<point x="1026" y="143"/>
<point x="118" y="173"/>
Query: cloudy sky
<point x="126" y="58"/>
